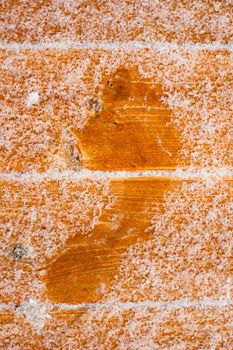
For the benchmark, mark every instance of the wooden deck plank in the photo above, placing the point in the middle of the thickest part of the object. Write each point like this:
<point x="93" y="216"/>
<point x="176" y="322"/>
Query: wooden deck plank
<point x="183" y="246"/>
<point x="96" y="251"/>
<point x="78" y="273"/>
<point x="37" y="218"/>
<point x="115" y="110"/>
<point x="156" y="329"/>
<point x="171" y="21"/>
<point x="117" y="329"/>
<point x="66" y="240"/>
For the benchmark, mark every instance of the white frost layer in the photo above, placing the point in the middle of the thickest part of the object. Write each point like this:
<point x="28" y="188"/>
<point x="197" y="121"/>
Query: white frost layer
<point x="35" y="312"/>
<point x="207" y="174"/>
<point x="177" y="304"/>
<point x="32" y="99"/>
<point x="104" y="45"/>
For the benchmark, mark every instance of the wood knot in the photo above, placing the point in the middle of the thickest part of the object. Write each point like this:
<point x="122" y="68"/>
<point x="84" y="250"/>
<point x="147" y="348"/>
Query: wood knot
<point x="95" y="106"/>
<point x="19" y="252"/>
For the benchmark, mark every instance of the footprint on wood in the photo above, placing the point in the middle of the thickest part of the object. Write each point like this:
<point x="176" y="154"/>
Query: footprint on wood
<point x="130" y="127"/>
<point x="89" y="262"/>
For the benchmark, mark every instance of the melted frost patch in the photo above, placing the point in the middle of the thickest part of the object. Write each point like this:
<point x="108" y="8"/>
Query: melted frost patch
<point x="196" y="88"/>
<point x="46" y="214"/>
<point x="188" y="257"/>
<point x="189" y="254"/>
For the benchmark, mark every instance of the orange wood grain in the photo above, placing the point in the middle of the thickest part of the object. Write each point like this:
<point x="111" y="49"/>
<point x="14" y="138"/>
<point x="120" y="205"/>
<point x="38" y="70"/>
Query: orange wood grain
<point x="73" y="241"/>
<point x="79" y="273"/>
<point x="93" y="223"/>
<point x="6" y="317"/>
<point x="130" y="127"/>
<point x="126" y="126"/>
<point x="82" y="121"/>
<point x="76" y="274"/>
<point x="36" y="219"/>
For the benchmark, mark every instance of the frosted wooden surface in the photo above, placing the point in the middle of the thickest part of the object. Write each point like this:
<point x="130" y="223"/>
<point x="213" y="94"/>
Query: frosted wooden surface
<point x="116" y="157"/>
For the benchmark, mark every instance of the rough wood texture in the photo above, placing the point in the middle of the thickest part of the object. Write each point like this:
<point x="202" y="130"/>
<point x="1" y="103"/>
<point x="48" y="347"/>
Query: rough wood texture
<point x="190" y="328"/>
<point x="96" y="251"/>
<point x="146" y="225"/>
<point x="37" y="218"/>
<point x="77" y="274"/>
<point x="59" y="112"/>
<point x="112" y="20"/>
<point x="127" y="126"/>
<point x="66" y="240"/>
<point x="78" y="229"/>
<point x="130" y="128"/>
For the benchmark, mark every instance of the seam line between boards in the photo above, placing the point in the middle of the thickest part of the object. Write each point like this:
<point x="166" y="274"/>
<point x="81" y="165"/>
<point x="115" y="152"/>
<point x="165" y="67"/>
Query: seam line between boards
<point x="106" y="45"/>
<point x="97" y="174"/>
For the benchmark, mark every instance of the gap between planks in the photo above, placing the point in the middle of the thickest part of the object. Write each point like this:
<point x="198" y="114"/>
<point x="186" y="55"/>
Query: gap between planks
<point x="177" y="304"/>
<point x="150" y="304"/>
<point x="105" y="45"/>
<point x="205" y="174"/>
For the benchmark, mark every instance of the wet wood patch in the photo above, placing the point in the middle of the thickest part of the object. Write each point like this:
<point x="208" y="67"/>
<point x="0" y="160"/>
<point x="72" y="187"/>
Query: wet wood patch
<point x="129" y="127"/>
<point x="161" y="225"/>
